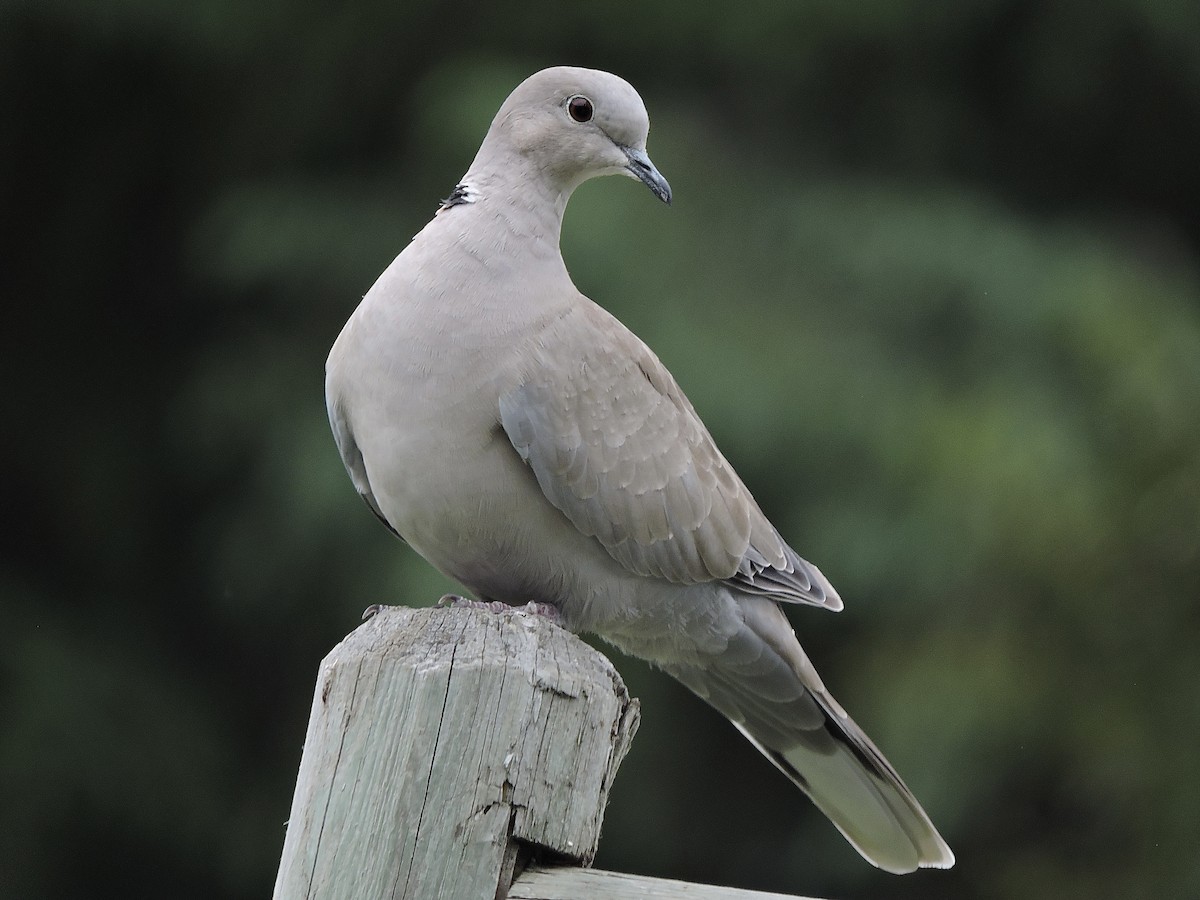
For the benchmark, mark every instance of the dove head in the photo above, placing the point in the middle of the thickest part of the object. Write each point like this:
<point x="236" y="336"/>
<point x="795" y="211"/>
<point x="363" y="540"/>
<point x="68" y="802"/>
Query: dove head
<point x="569" y="125"/>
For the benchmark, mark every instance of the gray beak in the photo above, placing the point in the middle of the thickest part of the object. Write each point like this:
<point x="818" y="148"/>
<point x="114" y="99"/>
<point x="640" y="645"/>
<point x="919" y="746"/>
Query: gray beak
<point x="644" y="170"/>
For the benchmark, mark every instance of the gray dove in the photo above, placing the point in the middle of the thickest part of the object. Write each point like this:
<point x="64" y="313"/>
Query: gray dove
<point x="532" y="448"/>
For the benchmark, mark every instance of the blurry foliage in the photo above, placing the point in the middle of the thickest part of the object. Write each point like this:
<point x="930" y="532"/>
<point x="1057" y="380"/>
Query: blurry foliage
<point x="931" y="278"/>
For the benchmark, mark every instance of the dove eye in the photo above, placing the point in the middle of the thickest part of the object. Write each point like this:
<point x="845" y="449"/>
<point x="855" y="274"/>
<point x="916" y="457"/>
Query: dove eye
<point x="580" y="109"/>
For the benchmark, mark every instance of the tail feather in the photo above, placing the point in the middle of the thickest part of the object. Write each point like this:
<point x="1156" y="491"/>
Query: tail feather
<point x="765" y="684"/>
<point x="876" y="813"/>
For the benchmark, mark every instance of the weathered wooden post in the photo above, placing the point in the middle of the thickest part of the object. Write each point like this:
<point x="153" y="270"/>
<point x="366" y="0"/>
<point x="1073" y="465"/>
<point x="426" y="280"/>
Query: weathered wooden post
<point x="444" y="742"/>
<point x="448" y="747"/>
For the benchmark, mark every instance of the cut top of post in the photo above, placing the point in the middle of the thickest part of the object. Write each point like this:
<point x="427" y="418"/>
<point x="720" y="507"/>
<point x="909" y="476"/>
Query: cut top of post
<point x="441" y="741"/>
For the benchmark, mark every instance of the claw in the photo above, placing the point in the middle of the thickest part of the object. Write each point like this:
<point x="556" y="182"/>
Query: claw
<point x="454" y="601"/>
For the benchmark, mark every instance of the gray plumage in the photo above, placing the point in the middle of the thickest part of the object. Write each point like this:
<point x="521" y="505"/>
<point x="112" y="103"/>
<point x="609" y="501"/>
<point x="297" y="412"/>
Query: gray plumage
<point x="531" y="447"/>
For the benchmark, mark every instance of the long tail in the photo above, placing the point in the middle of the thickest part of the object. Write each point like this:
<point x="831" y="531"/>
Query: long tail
<point x="764" y="683"/>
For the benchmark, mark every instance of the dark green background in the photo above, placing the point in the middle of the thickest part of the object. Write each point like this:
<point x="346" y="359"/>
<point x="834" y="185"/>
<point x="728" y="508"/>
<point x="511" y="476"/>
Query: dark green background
<point x="931" y="277"/>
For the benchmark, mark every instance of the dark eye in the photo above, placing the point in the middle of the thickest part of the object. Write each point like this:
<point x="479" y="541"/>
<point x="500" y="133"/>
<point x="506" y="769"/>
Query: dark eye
<point x="580" y="109"/>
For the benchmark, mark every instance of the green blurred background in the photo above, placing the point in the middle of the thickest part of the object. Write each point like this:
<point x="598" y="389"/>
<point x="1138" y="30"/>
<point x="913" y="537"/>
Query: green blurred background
<point x="932" y="277"/>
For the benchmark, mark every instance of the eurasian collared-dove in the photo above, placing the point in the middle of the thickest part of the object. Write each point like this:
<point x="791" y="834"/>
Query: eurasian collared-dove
<point x="529" y="446"/>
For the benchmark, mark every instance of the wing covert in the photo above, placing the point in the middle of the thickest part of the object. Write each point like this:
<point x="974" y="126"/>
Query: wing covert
<point x="617" y="448"/>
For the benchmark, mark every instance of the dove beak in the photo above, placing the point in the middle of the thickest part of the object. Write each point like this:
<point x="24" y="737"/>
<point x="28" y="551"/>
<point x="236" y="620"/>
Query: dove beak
<point x="645" y="171"/>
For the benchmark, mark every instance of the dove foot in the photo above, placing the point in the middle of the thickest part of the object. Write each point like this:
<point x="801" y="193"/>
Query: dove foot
<point x="454" y="601"/>
<point x="545" y="610"/>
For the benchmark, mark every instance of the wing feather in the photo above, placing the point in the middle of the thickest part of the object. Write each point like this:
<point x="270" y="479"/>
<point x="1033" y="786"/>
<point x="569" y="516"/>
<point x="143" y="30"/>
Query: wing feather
<point x="617" y="448"/>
